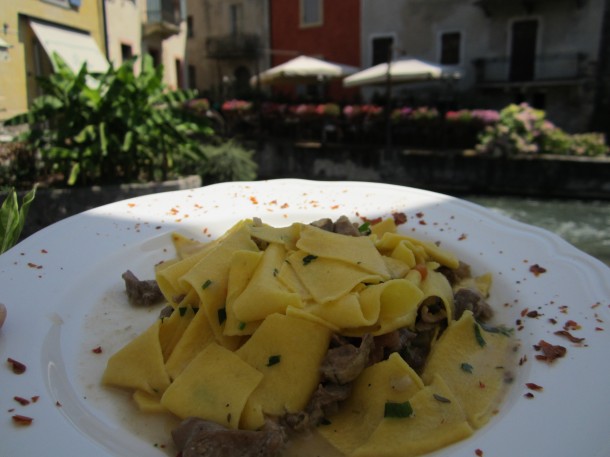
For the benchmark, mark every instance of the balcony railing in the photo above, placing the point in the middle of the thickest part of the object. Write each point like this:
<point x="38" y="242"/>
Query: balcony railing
<point x="512" y="7"/>
<point x="162" y="18"/>
<point x="545" y="69"/>
<point x="233" y="46"/>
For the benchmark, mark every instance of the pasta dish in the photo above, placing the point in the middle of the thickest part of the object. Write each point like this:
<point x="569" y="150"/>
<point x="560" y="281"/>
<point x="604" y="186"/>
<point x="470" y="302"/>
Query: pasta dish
<point x="368" y="340"/>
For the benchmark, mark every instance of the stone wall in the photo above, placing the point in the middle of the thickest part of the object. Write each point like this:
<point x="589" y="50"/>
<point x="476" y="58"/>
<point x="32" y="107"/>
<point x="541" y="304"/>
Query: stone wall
<point x="453" y="172"/>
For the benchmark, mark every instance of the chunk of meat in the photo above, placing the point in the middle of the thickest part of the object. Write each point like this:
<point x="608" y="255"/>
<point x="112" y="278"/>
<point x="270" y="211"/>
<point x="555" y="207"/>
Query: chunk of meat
<point x="469" y="299"/>
<point x="141" y="293"/>
<point x="200" y="438"/>
<point x="343" y="364"/>
<point x="324" y="402"/>
<point x="342" y="226"/>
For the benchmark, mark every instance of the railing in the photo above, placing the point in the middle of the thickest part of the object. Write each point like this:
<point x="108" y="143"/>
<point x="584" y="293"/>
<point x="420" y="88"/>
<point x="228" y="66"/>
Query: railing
<point x="233" y="46"/>
<point x="165" y="15"/>
<point x="546" y="68"/>
<point x="512" y="7"/>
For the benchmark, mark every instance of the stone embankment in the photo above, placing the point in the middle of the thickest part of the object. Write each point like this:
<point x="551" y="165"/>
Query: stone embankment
<point x="450" y="172"/>
<point x="453" y="172"/>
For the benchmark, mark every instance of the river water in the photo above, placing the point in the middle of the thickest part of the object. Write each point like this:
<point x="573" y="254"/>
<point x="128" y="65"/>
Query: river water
<point x="583" y="223"/>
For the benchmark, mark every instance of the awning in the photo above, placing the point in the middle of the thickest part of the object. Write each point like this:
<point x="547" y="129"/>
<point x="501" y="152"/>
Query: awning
<point x="74" y="47"/>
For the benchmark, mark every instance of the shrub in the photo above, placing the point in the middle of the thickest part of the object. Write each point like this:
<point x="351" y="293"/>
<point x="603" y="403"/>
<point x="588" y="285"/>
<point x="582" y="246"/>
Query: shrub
<point x="524" y="130"/>
<point x="113" y="127"/>
<point x="226" y="161"/>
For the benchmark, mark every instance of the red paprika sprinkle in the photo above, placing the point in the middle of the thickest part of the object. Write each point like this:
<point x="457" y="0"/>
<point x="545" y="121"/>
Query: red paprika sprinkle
<point x="18" y="367"/>
<point x="22" y="420"/>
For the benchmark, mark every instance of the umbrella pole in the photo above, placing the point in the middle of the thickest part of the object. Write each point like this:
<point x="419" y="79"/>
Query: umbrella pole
<point x="388" y="103"/>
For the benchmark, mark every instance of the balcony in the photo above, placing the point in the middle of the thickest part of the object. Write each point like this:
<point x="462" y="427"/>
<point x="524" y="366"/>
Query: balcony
<point x="545" y="70"/>
<point x="161" y="19"/>
<point x="504" y="7"/>
<point x="240" y="46"/>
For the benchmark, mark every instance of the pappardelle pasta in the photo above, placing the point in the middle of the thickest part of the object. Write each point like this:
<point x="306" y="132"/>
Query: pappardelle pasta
<point x="375" y="342"/>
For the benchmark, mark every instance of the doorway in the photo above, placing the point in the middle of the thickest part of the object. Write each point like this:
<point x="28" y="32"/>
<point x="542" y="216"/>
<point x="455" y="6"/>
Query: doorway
<point x="523" y="50"/>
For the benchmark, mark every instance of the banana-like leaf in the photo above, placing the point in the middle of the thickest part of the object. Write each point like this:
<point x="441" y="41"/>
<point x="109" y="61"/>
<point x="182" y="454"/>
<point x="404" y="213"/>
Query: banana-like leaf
<point x="12" y="218"/>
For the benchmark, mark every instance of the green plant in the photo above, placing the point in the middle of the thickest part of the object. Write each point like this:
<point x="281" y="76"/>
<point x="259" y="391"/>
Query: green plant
<point x="12" y="218"/>
<point x="114" y="127"/>
<point x="227" y="161"/>
<point x="522" y="129"/>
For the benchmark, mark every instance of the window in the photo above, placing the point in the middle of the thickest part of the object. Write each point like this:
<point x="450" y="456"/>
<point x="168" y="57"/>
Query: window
<point x="189" y="27"/>
<point x="192" y="75"/>
<point x="126" y="52"/>
<point x="450" y="48"/>
<point x="236" y="18"/>
<point x="155" y="55"/>
<point x="382" y="50"/>
<point x="179" y="74"/>
<point x="311" y="13"/>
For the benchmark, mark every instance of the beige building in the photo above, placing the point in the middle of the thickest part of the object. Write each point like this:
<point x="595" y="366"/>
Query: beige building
<point x="93" y="31"/>
<point x="31" y="30"/>
<point x="544" y="52"/>
<point x="227" y="43"/>
<point x="155" y="27"/>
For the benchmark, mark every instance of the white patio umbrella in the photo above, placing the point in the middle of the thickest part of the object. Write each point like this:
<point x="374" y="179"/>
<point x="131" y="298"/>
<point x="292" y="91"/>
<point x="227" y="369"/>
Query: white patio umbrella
<point x="302" y="70"/>
<point x="401" y="71"/>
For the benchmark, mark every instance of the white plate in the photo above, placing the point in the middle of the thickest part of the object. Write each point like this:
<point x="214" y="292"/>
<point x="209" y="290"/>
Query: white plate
<point x="64" y="294"/>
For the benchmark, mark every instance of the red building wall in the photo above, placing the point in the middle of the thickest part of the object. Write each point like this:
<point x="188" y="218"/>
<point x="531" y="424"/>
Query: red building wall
<point x="337" y="39"/>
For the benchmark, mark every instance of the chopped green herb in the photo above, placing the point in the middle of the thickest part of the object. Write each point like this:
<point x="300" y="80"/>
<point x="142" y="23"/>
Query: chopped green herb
<point x="182" y="311"/>
<point x="273" y="360"/>
<point x="222" y="315"/>
<point x="501" y="329"/>
<point x="206" y="284"/>
<point x="241" y="325"/>
<point x="397" y="410"/>
<point x="364" y="227"/>
<point x="466" y="367"/>
<point x="441" y="398"/>
<point x="478" y="336"/>
<point x="275" y="272"/>
<point x="309" y="258"/>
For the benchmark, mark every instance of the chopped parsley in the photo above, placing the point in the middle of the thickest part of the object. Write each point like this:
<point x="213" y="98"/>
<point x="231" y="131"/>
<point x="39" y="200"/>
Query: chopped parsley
<point x="206" y="284"/>
<point x="440" y="398"/>
<point x="241" y="325"/>
<point x="478" y="336"/>
<point x="273" y="360"/>
<point x="309" y="258"/>
<point x="466" y="367"/>
<point x="364" y="228"/>
<point x="397" y="410"/>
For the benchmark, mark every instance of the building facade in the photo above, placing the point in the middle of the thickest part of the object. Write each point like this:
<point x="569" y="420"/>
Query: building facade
<point x="326" y="29"/>
<point x="34" y="29"/>
<point x="543" y="52"/>
<point x="154" y="27"/>
<point x="227" y="44"/>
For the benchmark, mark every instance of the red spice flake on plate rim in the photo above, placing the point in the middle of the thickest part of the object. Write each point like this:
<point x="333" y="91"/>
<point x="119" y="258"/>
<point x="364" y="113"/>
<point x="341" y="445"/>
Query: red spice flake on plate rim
<point x="17" y="367"/>
<point x="22" y="401"/>
<point x="569" y="336"/>
<point x="97" y="350"/>
<point x="533" y="386"/>
<point x="537" y="270"/>
<point x="478" y="452"/>
<point x="22" y="420"/>
<point x="550" y="352"/>
<point x="399" y="218"/>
